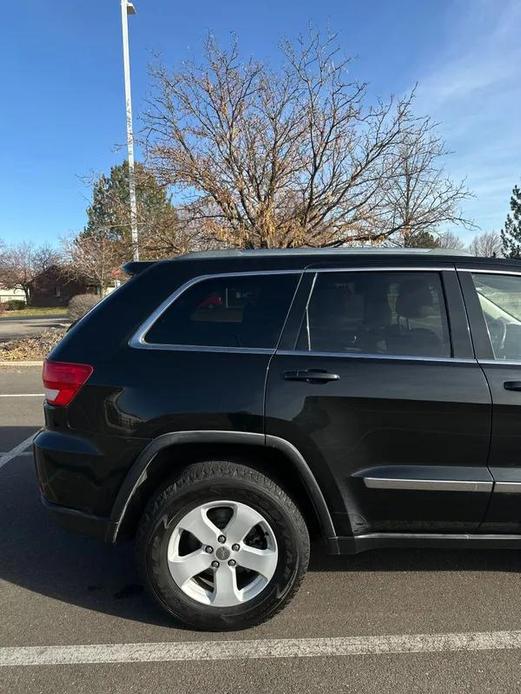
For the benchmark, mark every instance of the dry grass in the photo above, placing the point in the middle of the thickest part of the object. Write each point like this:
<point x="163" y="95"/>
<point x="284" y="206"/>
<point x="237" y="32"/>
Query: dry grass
<point x="31" y="348"/>
<point x="34" y="312"/>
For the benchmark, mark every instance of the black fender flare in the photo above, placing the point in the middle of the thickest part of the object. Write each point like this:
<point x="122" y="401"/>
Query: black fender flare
<point x="138" y="472"/>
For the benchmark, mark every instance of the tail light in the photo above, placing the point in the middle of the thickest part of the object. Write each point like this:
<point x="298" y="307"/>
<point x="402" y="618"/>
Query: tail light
<point x="63" y="380"/>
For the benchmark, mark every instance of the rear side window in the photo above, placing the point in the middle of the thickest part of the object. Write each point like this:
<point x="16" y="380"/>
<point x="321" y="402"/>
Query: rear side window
<point x="400" y="313"/>
<point x="234" y="311"/>
<point x="500" y="299"/>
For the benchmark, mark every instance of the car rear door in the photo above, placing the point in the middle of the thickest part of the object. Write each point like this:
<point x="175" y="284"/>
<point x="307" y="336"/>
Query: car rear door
<point x="493" y="299"/>
<point x="376" y="384"/>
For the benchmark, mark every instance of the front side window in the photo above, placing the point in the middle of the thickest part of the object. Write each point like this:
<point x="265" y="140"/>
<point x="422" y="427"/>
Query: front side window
<point x="398" y="313"/>
<point x="500" y="299"/>
<point x="246" y="311"/>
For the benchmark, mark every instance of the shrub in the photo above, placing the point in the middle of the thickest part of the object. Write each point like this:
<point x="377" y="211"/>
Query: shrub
<point x="14" y="304"/>
<point x="80" y="304"/>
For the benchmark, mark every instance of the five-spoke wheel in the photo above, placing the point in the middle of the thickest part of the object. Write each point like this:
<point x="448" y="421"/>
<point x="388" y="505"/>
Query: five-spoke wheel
<point x="222" y="546"/>
<point x="235" y="555"/>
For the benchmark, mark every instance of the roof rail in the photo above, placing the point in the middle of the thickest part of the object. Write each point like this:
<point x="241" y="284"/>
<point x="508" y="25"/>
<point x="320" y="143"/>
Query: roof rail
<point x="340" y="250"/>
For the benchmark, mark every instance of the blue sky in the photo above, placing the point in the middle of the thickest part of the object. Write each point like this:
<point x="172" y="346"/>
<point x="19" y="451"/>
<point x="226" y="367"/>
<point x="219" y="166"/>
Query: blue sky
<point x="61" y="113"/>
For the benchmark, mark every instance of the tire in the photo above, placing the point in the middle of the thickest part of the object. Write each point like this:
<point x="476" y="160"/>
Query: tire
<point x="227" y="597"/>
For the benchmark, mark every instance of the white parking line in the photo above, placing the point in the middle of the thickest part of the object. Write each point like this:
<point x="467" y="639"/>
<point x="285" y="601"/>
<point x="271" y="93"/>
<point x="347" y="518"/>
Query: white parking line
<point x="19" y="454"/>
<point x="22" y="395"/>
<point x="17" y="450"/>
<point x="16" y="364"/>
<point x="265" y="648"/>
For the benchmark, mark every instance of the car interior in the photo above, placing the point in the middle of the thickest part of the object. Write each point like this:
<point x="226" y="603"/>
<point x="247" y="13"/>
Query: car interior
<point x="376" y="315"/>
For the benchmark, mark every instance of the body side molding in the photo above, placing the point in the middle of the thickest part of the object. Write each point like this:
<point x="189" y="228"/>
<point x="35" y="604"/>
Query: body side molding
<point x="429" y="478"/>
<point x="507" y="488"/>
<point x="427" y="485"/>
<point x="507" y="479"/>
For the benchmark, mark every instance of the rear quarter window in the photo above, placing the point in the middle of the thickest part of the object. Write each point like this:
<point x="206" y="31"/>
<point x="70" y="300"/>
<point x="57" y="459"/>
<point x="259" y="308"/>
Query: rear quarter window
<point x="231" y="311"/>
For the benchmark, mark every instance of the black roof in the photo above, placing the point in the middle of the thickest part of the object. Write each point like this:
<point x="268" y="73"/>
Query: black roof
<point x="295" y="258"/>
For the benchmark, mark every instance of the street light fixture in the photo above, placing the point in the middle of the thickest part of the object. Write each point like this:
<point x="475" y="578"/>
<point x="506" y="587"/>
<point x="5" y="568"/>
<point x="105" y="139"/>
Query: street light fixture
<point x="127" y="8"/>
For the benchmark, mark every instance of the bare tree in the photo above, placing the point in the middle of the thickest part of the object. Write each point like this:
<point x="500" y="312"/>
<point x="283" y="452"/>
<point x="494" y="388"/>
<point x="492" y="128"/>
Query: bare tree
<point x="294" y="157"/>
<point x="419" y="196"/>
<point x="450" y="240"/>
<point x="488" y="244"/>
<point x="94" y="257"/>
<point x="166" y="234"/>
<point x="20" y="265"/>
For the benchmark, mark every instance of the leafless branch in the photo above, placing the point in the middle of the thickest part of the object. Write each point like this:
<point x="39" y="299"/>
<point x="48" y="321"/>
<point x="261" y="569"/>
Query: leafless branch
<point x="295" y="157"/>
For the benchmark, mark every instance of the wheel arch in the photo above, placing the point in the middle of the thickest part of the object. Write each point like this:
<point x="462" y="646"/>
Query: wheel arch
<point x="154" y="467"/>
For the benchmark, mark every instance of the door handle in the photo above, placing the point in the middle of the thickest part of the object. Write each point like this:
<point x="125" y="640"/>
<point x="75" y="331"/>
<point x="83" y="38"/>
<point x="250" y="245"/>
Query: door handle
<point x="512" y="385"/>
<point x="311" y="376"/>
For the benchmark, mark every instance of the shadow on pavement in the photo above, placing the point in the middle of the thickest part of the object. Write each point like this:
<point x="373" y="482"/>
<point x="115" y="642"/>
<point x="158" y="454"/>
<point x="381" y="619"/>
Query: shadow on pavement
<point x="9" y="438"/>
<point x="404" y="560"/>
<point x="40" y="556"/>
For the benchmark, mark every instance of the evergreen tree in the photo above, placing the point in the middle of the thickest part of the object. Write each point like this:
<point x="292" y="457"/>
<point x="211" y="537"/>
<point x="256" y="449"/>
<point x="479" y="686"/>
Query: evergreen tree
<point x="105" y="243"/>
<point x="511" y="232"/>
<point x="108" y="215"/>
<point x="422" y="239"/>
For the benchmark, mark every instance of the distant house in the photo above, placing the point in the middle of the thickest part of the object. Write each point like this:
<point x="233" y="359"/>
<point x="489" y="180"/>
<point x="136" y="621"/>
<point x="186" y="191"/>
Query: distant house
<point x="8" y="294"/>
<point x="54" y="287"/>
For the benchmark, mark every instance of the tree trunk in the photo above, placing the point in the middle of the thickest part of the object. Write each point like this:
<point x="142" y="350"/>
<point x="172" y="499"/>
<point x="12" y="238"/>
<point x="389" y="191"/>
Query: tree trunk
<point x="27" y="291"/>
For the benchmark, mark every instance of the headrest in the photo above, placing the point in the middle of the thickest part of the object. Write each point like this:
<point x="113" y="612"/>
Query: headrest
<point x="414" y="299"/>
<point x="377" y="312"/>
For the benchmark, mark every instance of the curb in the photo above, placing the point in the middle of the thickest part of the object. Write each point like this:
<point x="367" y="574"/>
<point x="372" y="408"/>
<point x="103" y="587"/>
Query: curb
<point x="21" y="363"/>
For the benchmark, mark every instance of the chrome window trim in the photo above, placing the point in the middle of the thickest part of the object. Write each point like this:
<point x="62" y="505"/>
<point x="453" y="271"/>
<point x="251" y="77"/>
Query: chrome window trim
<point x="370" y="355"/>
<point x="202" y="348"/>
<point x="372" y="268"/>
<point x="137" y="341"/>
<point x="428" y="485"/>
<point x="482" y="271"/>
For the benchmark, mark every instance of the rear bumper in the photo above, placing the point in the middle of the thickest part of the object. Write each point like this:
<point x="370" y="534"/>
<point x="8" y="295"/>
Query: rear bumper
<point x="79" y="522"/>
<point x="81" y="476"/>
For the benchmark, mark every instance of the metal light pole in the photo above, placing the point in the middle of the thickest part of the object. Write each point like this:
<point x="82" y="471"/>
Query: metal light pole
<point x="128" y="8"/>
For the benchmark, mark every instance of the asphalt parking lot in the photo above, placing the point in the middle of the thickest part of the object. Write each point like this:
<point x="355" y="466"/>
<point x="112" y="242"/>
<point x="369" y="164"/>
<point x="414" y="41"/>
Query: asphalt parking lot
<point x="14" y="328"/>
<point x="415" y="621"/>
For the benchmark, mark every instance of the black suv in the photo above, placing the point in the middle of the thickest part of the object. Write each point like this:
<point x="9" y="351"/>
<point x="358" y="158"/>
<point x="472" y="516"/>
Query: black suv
<point x="222" y="407"/>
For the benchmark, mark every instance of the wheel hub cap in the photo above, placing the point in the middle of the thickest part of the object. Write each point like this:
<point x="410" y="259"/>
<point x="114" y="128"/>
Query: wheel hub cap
<point x="222" y="583"/>
<point x="222" y="553"/>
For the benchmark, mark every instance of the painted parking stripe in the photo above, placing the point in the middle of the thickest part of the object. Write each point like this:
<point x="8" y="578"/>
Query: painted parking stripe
<point x="265" y="648"/>
<point x="17" y="450"/>
<point x="22" y="395"/>
<point x="16" y="364"/>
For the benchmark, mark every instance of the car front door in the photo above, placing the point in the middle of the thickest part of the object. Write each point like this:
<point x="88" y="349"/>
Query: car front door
<point x="376" y="384"/>
<point x="493" y="299"/>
